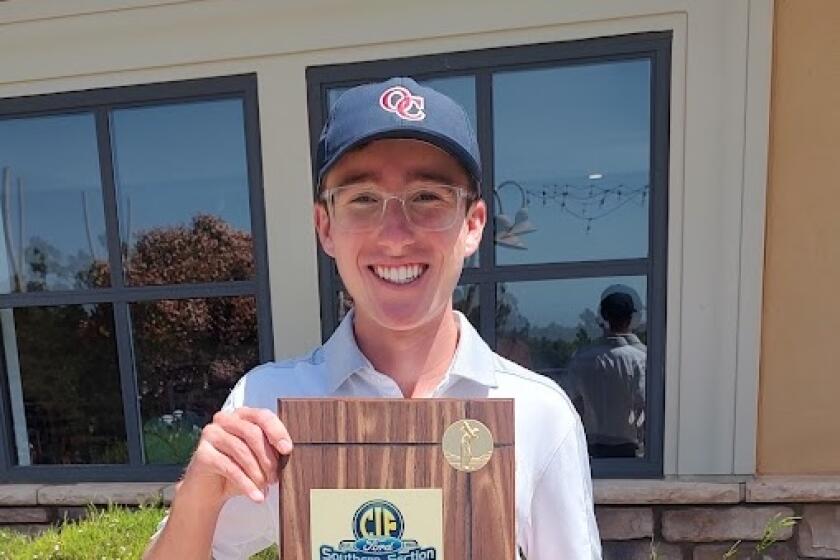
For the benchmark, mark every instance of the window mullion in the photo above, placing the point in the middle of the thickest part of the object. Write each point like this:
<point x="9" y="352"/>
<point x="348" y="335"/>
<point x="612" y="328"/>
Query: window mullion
<point x="122" y="327"/>
<point x="128" y="383"/>
<point x="7" y="460"/>
<point x="657" y="272"/>
<point x="256" y="203"/>
<point x="130" y="295"/>
<point x="109" y="197"/>
<point x="484" y="131"/>
<point x="561" y="270"/>
<point x="487" y="249"/>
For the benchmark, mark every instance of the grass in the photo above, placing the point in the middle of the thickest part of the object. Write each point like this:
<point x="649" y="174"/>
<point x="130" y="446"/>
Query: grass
<point x="774" y="527"/>
<point x="115" y="533"/>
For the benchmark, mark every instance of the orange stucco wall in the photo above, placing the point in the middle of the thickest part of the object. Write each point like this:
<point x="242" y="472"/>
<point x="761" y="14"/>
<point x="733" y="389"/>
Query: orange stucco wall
<point x="799" y="399"/>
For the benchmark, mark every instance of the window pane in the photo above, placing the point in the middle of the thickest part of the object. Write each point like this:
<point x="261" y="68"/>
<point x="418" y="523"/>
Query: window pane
<point x="466" y="300"/>
<point x="590" y="336"/>
<point x="189" y="354"/>
<point x="343" y="301"/>
<point x="182" y="187"/>
<point x="51" y="215"/>
<point x="459" y="88"/>
<point x="64" y="384"/>
<point x="572" y="152"/>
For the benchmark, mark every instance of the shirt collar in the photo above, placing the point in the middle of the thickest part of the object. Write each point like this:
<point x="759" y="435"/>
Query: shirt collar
<point x="342" y="355"/>
<point x="473" y="359"/>
<point x="628" y="339"/>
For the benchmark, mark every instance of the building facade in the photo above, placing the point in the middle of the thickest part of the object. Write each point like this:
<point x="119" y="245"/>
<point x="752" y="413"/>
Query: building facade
<point x="158" y="241"/>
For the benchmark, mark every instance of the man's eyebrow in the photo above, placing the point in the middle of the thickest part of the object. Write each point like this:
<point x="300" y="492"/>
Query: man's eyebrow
<point x="359" y="177"/>
<point x="432" y="177"/>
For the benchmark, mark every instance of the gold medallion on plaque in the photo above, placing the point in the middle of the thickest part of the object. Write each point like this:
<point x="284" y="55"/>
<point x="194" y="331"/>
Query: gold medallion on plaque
<point x="467" y="445"/>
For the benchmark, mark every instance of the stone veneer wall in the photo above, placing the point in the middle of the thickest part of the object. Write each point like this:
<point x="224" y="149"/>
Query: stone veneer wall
<point x="701" y="520"/>
<point x="688" y="520"/>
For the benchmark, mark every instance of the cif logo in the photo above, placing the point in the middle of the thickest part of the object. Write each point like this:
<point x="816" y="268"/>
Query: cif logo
<point x="378" y="519"/>
<point x="400" y="101"/>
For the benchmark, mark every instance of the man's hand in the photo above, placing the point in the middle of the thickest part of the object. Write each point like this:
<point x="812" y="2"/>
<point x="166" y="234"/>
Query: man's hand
<point x="238" y="453"/>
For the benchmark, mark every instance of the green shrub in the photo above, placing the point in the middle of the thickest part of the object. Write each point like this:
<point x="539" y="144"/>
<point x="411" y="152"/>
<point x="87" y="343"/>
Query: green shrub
<point x="171" y="438"/>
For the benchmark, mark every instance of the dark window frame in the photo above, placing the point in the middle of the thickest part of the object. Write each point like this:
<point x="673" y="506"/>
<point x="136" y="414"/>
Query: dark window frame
<point x="99" y="102"/>
<point x="482" y="64"/>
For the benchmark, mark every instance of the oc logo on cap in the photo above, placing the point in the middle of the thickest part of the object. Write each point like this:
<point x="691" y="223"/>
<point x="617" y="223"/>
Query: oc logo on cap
<point x="400" y="101"/>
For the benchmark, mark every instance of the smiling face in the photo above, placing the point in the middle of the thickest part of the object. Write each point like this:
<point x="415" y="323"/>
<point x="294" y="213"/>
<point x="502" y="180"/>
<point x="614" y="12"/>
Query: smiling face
<point x="399" y="276"/>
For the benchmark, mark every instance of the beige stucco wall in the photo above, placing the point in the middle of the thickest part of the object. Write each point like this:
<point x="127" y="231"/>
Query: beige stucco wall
<point x="799" y="403"/>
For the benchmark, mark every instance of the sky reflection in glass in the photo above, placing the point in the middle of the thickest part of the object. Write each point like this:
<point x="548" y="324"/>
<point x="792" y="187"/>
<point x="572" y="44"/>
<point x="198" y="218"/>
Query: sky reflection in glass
<point x="572" y="148"/>
<point x="52" y="223"/>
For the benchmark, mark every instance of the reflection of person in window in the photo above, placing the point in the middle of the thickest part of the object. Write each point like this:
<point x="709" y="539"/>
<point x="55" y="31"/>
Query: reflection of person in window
<point x="608" y="380"/>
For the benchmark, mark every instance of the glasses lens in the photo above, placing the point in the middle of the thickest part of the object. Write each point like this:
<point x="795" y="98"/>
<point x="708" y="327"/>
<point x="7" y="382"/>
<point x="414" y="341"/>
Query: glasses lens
<point x="433" y="207"/>
<point x="357" y="207"/>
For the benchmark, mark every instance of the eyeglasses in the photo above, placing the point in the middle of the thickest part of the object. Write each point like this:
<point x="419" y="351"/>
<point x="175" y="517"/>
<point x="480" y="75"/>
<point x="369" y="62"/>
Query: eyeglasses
<point x="427" y="206"/>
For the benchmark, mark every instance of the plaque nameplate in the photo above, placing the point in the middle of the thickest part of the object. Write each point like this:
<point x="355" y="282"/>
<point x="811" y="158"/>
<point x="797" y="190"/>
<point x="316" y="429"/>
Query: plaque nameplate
<point x="383" y="524"/>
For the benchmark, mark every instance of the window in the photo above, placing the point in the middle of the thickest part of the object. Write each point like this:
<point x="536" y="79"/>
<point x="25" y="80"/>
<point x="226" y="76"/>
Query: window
<point x="574" y="140"/>
<point x="133" y="284"/>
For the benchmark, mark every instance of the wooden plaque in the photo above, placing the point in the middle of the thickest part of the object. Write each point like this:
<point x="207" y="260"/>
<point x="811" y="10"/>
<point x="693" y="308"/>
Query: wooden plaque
<point x="397" y="444"/>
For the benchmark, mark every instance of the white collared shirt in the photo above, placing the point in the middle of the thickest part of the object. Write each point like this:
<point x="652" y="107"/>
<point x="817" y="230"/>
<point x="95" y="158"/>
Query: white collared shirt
<point x="554" y="507"/>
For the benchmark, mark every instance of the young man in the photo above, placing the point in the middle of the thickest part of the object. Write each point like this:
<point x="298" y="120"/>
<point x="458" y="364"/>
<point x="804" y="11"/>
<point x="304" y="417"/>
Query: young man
<point x="399" y="210"/>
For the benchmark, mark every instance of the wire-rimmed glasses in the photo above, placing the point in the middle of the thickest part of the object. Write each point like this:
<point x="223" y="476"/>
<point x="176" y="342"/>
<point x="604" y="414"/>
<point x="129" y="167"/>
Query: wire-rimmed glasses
<point x="427" y="206"/>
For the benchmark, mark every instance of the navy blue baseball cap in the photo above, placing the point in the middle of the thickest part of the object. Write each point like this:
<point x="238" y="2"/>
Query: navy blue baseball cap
<point x="398" y="108"/>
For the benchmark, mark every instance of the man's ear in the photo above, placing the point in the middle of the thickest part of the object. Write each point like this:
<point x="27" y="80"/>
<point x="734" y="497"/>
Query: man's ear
<point x="323" y="229"/>
<point x="476" y="220"/>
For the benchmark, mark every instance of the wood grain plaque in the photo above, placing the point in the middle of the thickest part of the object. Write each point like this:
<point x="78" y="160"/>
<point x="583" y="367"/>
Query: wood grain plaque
<point x="396" y="444"/>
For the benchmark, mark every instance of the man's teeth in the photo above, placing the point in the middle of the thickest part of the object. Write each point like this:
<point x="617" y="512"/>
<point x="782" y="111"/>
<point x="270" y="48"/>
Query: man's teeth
<point x="400" y="274"/>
